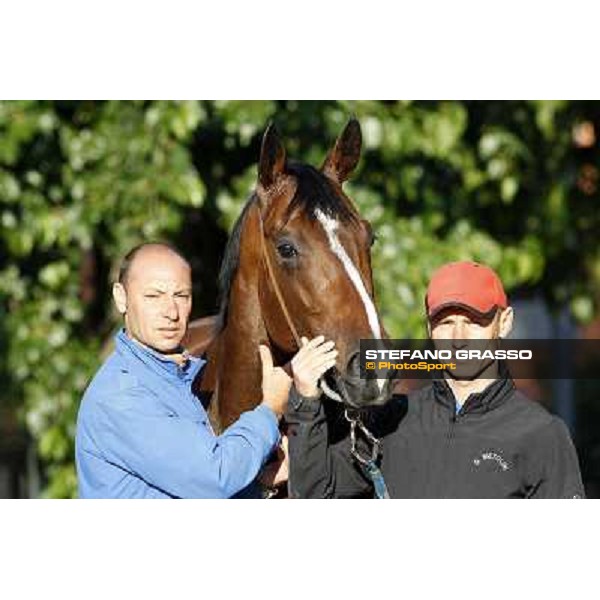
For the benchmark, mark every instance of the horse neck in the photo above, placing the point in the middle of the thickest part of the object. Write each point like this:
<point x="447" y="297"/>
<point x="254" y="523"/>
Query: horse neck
<point x="239" y="375"/>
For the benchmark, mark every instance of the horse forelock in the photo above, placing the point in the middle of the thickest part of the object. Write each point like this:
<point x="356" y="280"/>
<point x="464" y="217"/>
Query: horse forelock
<point x="315" y="192"/>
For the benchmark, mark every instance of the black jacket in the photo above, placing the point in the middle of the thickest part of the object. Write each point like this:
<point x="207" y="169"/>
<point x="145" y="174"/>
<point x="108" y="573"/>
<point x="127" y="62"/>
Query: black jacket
<point x="500" y="445"/>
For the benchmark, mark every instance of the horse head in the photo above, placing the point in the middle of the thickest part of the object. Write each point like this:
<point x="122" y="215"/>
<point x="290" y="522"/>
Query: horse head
<point x="298" y="264"/>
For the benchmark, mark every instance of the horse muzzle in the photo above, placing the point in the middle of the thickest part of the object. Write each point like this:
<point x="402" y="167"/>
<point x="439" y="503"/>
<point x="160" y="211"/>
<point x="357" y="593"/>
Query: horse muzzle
<point x="356" y="389"/>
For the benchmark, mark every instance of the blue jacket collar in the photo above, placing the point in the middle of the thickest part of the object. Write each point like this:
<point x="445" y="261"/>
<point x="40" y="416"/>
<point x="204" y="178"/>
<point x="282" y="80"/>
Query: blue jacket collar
<point x="156" y="361"/>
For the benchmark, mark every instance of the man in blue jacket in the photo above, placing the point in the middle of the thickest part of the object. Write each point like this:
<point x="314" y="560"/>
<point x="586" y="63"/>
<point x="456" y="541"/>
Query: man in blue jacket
<point x="141" y="433"/>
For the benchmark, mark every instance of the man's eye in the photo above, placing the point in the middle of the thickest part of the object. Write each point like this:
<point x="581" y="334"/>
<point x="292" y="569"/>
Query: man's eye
<point x="287" y="250"/>
<point x="151" y="296"/>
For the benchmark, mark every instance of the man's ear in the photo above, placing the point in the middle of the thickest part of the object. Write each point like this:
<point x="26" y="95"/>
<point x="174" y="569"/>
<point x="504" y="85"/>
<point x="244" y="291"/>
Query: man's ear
<point x="505" y="323"/>
<point x="120" y="297"/>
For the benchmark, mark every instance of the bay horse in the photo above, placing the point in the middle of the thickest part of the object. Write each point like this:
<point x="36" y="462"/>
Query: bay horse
<point x="296" y="264"/>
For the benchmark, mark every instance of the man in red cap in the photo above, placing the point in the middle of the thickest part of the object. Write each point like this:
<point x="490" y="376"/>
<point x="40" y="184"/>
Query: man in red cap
<point x="472" y="436"/>
<point x="466" y="301"/>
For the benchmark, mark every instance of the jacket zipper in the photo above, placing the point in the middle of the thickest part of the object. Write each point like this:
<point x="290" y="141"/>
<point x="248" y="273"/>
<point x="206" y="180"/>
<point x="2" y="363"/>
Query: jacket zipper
<point x="453" y="419"/>
<point x="447" y="459"/>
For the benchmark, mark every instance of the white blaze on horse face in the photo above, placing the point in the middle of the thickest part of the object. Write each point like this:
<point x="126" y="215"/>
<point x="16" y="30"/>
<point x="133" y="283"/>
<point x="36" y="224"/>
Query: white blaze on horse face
<point x="330" y="226"/>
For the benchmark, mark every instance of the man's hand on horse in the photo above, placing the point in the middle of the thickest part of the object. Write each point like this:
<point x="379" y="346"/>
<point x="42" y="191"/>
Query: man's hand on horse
<point x="312" y="360"/>
<point x="276" y="383"/>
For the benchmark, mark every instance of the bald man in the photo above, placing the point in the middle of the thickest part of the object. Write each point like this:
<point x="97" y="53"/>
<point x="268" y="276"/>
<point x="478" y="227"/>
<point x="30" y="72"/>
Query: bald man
<point x="141" y="433"/>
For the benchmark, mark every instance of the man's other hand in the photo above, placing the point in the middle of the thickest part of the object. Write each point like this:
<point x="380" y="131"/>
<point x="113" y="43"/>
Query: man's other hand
<point x="276" y="383"/>
<point x="312" y="360"/>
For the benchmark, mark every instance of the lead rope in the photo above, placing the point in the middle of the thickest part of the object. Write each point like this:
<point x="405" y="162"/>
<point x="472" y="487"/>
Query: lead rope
<point x="368" y="464"/>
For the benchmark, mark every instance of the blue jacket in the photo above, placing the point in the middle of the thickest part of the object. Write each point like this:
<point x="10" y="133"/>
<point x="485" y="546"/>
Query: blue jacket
<point x="141" y="433"/>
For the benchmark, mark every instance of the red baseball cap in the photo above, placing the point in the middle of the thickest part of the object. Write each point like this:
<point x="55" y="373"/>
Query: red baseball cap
<point x="467" y="285"/>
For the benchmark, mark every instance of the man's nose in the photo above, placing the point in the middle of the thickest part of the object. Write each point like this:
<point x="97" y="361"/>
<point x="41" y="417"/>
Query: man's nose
<point x="171" y="310"/>
<point x="458" y="334"/>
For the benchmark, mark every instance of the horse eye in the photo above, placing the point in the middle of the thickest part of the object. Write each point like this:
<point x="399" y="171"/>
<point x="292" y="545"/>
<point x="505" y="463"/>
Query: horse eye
<point x="373" y="239"/>
<point x="286" y="250"/>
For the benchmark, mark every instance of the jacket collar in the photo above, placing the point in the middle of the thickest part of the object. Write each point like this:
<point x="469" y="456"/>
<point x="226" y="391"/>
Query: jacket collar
<point x="491" y="397"/>
<point x="135" y="352"/>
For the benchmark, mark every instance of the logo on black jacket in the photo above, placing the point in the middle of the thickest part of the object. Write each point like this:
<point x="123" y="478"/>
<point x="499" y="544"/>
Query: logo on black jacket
<point x="494" y="456"/>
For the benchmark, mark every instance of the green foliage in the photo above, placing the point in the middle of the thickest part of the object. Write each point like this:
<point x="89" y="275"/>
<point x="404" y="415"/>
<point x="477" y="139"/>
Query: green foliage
<point x="78" y="182"/>
<point x="82" y="182"/>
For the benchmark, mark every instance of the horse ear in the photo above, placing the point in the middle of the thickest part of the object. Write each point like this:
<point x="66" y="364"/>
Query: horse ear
<point x="343" y="157"/>
<point x="272" y="158"/>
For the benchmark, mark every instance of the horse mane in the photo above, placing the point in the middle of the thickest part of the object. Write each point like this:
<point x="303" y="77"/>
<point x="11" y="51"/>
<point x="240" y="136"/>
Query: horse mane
<point x="231" y="260"/>
<point x="314" y="191"/>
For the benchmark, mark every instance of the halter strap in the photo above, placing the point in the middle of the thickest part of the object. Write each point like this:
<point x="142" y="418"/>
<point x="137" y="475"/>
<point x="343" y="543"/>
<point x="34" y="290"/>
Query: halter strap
<point x="271" y="273"/>
<point x="332" y="394"/>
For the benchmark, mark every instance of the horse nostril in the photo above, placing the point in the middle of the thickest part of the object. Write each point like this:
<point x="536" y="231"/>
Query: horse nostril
<point x="353" y="366"/>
